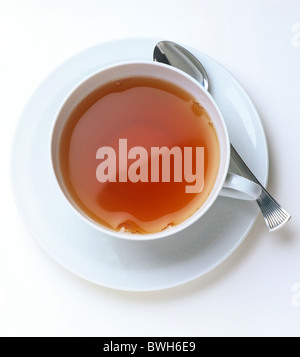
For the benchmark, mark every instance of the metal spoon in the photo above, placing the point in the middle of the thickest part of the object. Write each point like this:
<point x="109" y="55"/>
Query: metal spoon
<point x="175" y="55"/>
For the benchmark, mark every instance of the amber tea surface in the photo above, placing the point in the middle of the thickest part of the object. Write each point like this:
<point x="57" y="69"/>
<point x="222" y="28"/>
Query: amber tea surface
<point x="149" y="113"/>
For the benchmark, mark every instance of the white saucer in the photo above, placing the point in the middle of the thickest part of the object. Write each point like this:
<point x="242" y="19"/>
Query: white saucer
<point x="111" y="262"/>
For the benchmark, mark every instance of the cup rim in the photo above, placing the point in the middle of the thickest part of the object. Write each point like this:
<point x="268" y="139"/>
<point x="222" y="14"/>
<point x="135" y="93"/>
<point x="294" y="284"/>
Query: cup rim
<point x="196" y="215"/>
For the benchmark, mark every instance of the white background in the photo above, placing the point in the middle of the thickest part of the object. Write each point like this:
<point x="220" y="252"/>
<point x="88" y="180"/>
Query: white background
<point x="250" y="294"/>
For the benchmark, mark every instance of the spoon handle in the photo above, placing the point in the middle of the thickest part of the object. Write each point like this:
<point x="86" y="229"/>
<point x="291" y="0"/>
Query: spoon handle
<point x="275" y="216"/>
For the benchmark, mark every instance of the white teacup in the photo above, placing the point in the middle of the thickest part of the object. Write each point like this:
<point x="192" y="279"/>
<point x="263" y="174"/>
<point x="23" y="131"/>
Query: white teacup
<point x="226" y="184"/>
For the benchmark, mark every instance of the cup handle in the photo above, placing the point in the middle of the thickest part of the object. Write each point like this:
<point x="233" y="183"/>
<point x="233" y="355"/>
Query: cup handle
<point x="236" y="186"/>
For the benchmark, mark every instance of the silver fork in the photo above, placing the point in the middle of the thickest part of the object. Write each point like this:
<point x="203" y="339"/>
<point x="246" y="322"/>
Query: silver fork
<point x="274" y="215"/>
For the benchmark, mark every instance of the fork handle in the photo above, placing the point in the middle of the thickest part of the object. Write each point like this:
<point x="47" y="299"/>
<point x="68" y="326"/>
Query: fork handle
<point x="274" y="215"/>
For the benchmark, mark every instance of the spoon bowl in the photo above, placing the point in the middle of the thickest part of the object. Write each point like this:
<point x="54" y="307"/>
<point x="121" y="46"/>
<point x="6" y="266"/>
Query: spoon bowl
<point x="177" y="56"/>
